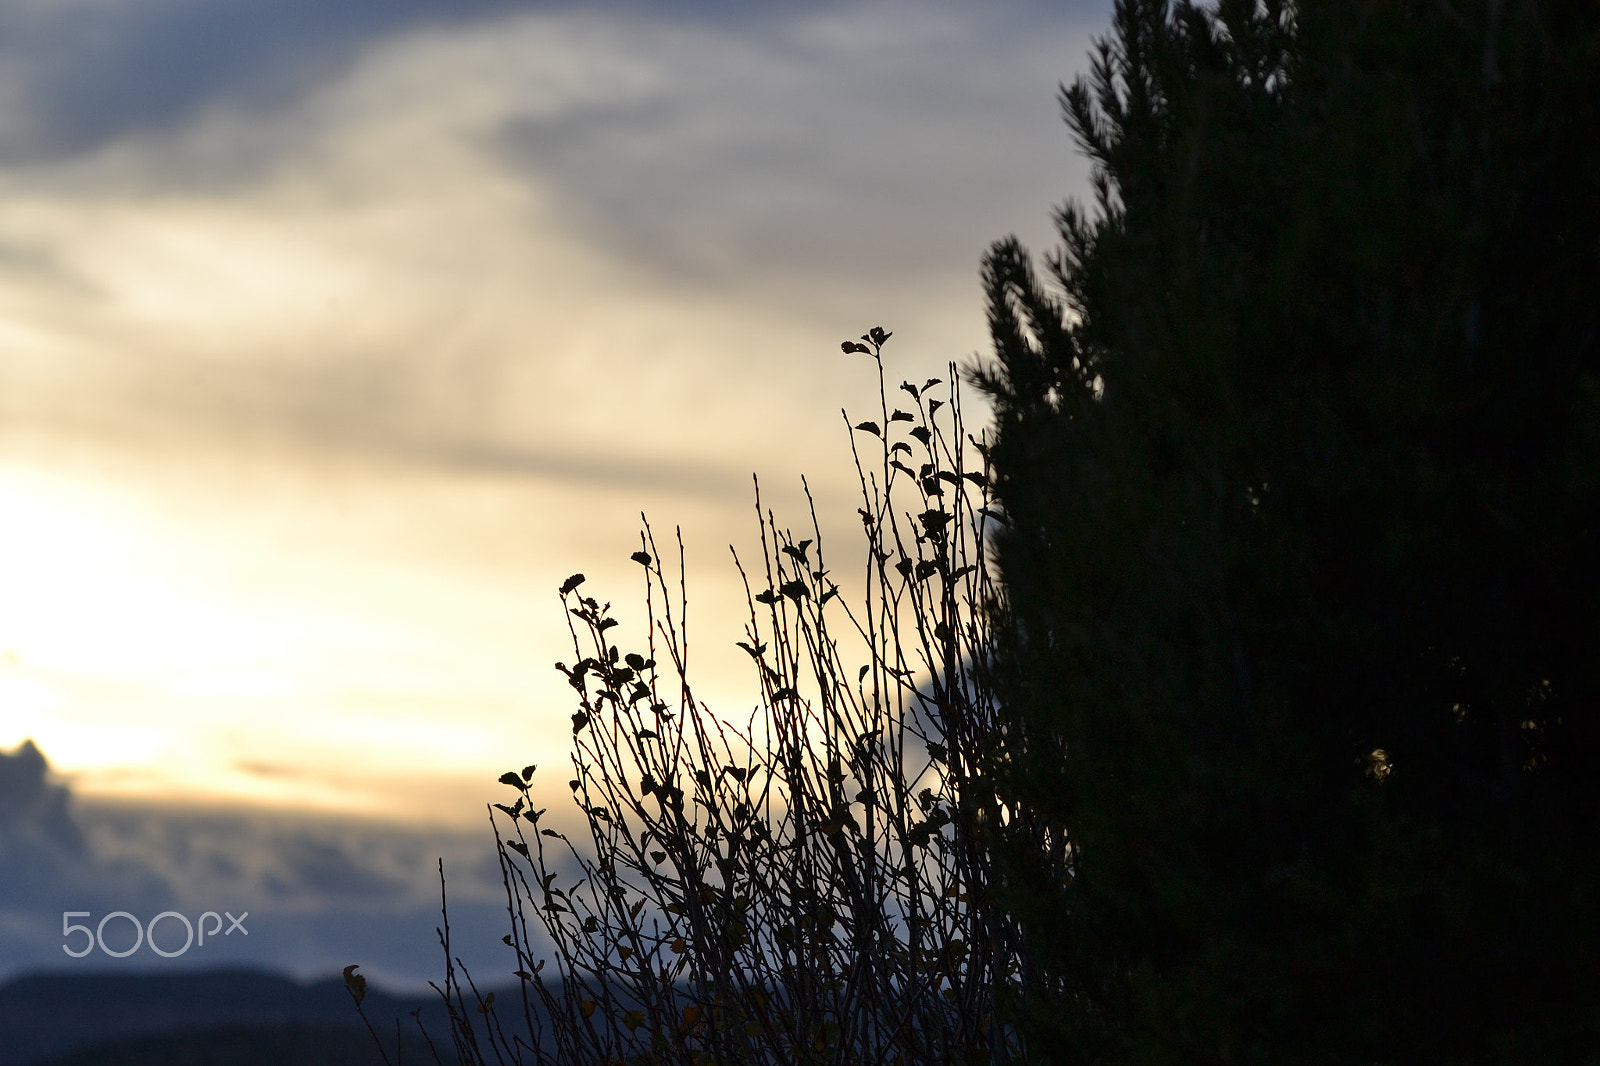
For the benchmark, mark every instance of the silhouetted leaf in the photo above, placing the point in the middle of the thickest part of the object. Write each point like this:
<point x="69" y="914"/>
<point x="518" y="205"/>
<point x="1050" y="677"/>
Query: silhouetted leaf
<point x="527" y="771"/>
<point x="921" y="433"/>
<point x="642" y="558"/>
<point x="768" y="597"/>
<point x="930" y="382"/>
<point x="635" y="660"/>
<point x="755" y="652"/>
<point x="571" y="583"/>
<point x="510" y="778"/>
<point x="901" y="416"/>
<point x="579" y="720"/>
<point x="934" y="405"/>
<point x="519" y="847"/>
<point x="878" y="335"/>
<point x="355" y="983"/>
<point x="795" y="590"/>
<point x="912" y="389"/>
<point x="933" y="521"/>
<point x="851" y="347"/>
<point x="606" y="623"/>
<point x="900" y="446"/>
<point x="871" y="427"/>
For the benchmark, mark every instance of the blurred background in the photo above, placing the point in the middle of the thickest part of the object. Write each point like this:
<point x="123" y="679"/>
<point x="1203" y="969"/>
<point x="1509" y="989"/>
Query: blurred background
<point x="333" y="337"/>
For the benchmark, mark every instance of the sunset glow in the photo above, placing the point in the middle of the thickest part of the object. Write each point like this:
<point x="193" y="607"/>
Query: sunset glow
<point x="310" y="398"/>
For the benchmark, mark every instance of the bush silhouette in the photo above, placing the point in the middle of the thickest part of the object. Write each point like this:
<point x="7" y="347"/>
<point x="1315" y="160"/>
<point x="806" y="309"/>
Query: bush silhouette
<point x="808" y="884"/>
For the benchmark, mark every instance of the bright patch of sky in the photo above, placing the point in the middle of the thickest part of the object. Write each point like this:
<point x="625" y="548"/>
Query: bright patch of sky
<point x="333" y="337"/>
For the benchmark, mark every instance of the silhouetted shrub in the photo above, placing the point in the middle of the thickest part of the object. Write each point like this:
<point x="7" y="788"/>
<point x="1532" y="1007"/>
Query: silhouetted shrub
<point x="808" y="884"/>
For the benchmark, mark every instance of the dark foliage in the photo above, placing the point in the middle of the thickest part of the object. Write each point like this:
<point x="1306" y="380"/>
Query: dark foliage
<point x="804" y="883"/>
<point x="1300" y="656"/>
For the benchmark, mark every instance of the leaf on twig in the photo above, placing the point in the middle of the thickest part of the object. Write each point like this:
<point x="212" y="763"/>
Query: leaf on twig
<point x="355" y="983"/>
<point x="571" y="583"/>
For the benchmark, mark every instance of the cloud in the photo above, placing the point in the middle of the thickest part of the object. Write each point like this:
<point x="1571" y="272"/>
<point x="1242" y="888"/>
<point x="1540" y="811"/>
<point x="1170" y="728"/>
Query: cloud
<point x="33" y="809"/>
<point x="86" y="72"/>
<point x="362" y="325"/>
<point x="320" y="892"/>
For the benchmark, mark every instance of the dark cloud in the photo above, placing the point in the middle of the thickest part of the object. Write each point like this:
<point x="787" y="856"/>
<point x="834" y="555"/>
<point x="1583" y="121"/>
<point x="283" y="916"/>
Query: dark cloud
<point x="46" y="866"/>
<point x="88" y="72"/>
<point x="322" y="868"/>
<point x="33" y="809"/>
<point x="320" y="892"/>
<point x="863" y="141"/>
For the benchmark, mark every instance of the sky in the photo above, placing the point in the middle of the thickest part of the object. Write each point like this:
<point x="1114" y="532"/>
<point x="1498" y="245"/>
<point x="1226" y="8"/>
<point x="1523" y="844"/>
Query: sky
<point x="333" y="337"/>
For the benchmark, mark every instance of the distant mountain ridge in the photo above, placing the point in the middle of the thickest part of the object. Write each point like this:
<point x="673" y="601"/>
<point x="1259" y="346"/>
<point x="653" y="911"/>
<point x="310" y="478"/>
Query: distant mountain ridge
<point x="51" y="1016"/>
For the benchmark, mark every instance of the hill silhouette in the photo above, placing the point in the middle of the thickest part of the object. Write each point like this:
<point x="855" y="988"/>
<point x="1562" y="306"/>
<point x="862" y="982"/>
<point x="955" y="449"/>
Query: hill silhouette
<point x="234" y="1016"/>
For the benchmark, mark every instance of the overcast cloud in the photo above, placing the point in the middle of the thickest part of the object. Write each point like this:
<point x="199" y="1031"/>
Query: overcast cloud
<point x="333" y="336"/>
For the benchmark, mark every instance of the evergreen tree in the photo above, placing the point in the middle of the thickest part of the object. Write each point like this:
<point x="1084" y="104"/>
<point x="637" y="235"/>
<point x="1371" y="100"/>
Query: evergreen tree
<point x="1300" y="456"/>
